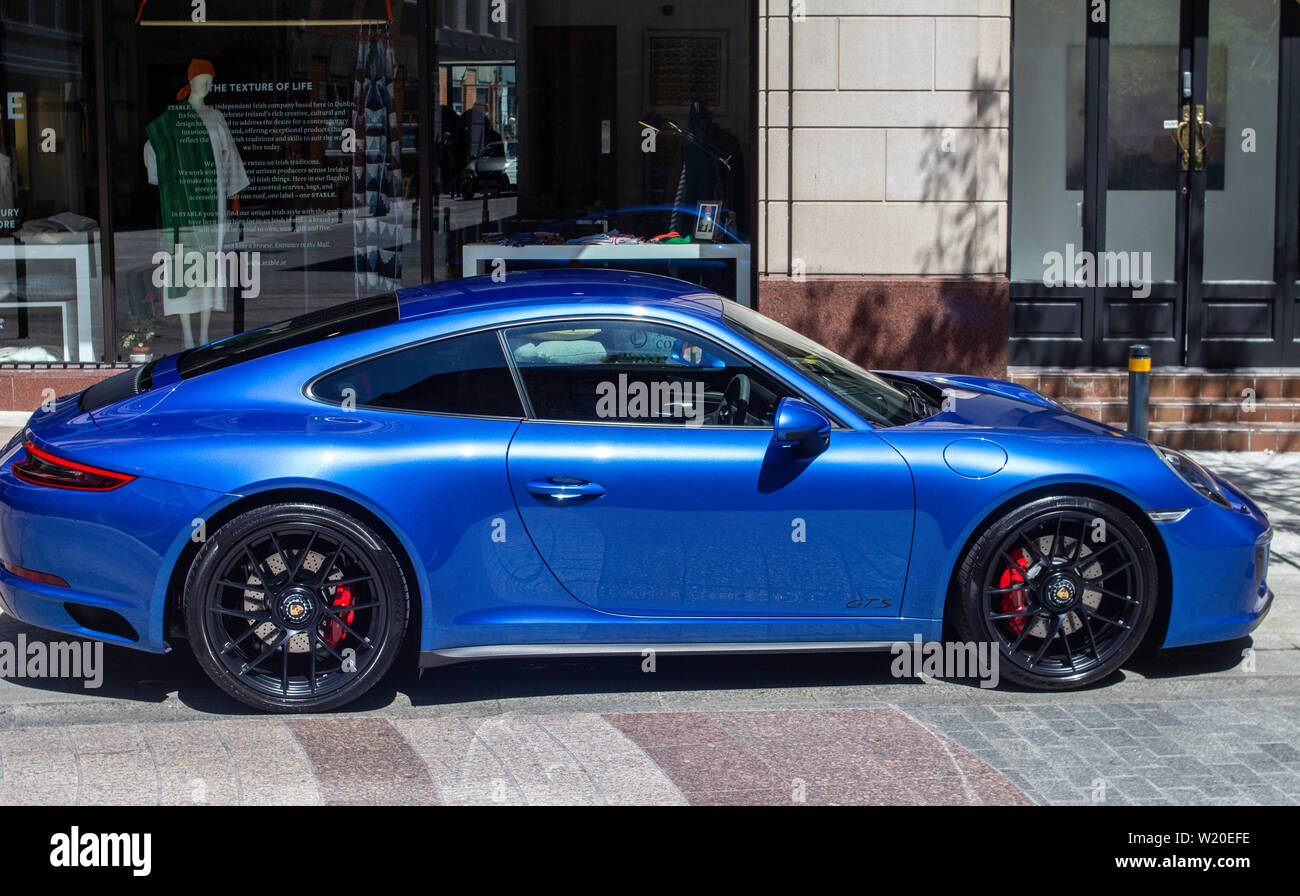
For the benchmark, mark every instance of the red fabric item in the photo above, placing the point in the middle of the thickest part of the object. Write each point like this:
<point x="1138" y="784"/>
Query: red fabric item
<point x="197" y="67"/>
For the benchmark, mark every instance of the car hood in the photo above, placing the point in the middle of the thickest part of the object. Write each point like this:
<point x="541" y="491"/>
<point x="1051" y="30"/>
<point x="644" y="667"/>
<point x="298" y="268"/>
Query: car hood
<point x="979" y="402"/>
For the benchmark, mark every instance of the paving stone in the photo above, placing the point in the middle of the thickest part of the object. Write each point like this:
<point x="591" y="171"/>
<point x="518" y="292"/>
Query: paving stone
<point x="194" y="766"/>
<point x="115" y="764"/>
<point x="1265" y="795"/>
<point x="39" y="768"/>
<point x="272" y="766"/>
<point x="1282" y="752"/>
<point x="363" y="761"/>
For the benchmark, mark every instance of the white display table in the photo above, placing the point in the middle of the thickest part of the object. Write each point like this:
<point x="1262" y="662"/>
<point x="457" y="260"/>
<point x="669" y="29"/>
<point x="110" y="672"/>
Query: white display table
<point x="476" y="254"/>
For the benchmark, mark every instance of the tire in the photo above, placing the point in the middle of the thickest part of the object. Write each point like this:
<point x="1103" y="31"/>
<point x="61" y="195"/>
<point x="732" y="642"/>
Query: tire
<point x="1066" y="588"/>
<point x="323" y="632"/>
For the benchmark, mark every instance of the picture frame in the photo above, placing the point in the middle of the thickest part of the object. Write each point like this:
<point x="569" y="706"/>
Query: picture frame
<point x="706" y="221"/>
<point x="683" y="66"/>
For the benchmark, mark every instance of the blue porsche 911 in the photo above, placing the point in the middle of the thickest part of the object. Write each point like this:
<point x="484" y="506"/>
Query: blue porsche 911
<point x="601" y="462"/>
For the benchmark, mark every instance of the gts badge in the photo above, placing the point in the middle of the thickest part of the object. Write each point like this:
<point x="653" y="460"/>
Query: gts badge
<point x="869" y="603"/>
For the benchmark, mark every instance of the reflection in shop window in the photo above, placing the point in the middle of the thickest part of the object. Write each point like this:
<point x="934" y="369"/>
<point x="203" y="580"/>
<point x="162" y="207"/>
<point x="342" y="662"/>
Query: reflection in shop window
<point x="261" y="170"/>
<point x="595" y="133"/>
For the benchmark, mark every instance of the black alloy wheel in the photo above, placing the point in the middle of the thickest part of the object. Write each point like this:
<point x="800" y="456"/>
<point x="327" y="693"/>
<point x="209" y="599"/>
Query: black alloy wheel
<point x="1065" y="587"/>
<point x="295" y="608"/>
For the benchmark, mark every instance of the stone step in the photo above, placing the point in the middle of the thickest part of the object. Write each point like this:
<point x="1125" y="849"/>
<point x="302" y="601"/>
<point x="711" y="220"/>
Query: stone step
<point x="1179" y="410"/>
<point x="1228" y="437"/>
<point x="1086" y="384"/>
<point x="1249" y="410"/>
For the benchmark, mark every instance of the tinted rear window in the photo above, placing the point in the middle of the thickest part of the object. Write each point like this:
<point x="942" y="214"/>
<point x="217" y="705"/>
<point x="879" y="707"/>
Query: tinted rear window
<point x="316" y="326"/>
<point x="461" y="375"/>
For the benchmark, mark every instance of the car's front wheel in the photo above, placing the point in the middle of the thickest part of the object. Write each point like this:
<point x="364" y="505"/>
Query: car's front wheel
<point x="295" y="608"/>
<point x="1065" y="587"/>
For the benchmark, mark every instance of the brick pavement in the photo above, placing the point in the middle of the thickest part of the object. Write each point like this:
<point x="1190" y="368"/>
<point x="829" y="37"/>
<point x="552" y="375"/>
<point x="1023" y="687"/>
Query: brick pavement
<point x="1063" y="751"/>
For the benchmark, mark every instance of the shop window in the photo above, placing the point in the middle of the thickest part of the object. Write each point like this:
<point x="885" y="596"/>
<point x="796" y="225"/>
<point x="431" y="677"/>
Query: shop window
<point x="50" y="298"/>
<point x="631" y="134"/>
<point x="261" y="170"/>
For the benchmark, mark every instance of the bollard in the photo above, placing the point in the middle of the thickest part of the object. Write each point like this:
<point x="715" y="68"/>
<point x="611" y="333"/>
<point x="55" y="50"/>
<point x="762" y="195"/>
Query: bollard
<point x="1139" y="389"/>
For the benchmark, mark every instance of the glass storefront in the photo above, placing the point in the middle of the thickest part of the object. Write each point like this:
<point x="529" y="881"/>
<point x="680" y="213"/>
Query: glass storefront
<point x="264" y="159"/>
<point x="263" y="166"/>
<point x="50" y="233"/>
<point x="582" y="131"/>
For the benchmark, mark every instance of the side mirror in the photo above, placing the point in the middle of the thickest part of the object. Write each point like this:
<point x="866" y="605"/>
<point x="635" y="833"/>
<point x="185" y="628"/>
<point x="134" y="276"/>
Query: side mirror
<point x="802" y="426"/>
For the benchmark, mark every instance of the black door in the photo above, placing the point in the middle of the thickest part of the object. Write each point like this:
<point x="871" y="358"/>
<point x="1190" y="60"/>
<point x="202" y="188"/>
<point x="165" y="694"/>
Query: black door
<point x="1180" y="128"/>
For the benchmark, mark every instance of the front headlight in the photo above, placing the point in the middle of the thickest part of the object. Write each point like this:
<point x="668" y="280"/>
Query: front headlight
<point x="1192" y="473"/>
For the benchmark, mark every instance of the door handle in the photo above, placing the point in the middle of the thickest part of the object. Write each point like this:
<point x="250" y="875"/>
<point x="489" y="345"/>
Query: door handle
<point x="1180" y="135"/>
<point x="562" y="491"/>
<point x="1203" y="128"/>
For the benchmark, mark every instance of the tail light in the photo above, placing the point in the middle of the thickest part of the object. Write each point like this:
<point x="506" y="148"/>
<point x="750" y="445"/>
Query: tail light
<point x="45" y="578"/>
<point x="40" y="467"/>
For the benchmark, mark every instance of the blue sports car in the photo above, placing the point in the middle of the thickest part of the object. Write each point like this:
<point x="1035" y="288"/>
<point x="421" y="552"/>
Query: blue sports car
<point x="598" y="462"/>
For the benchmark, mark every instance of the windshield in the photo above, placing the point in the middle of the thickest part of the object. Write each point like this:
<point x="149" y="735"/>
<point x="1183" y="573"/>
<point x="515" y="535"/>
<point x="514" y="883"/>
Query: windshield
<point x="869" y="395"/>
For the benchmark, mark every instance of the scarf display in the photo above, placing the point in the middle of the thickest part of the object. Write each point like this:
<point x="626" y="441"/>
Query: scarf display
<point x="376" y="167"/>
<point x="187" y="181"/>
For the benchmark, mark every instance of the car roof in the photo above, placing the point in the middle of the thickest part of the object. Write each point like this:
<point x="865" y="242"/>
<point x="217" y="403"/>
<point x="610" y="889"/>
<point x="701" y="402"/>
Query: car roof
<point x="558" y="291"/>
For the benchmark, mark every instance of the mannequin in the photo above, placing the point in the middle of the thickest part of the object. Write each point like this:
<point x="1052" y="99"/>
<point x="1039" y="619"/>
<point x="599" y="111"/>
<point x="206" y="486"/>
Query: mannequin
<point x="193" y="159"/>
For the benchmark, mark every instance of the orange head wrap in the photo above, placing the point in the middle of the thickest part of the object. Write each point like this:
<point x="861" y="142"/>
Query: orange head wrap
<point x="197" y="67"/>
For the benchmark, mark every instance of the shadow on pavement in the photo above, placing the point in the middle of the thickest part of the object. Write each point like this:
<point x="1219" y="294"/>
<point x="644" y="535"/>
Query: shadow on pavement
<point x="1185" y="662"/>
<point x="150" y="678"/>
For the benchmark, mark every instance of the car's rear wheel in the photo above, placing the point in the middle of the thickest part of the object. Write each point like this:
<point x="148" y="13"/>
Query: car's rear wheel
<point x="295" y="608"/>
<point x="1065" y="587"/>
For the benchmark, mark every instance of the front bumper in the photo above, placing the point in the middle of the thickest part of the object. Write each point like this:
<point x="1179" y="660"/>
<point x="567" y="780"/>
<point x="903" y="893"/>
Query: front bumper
<point x="1218" y="559"/>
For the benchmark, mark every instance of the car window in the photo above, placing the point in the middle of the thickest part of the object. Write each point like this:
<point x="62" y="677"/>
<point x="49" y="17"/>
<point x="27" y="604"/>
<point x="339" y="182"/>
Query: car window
<point x="639" y="372"/>
<point x="461" y="375"/>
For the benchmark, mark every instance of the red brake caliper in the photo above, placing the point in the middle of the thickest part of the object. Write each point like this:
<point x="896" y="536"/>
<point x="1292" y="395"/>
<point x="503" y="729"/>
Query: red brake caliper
<point x="334" y="631"/>
<point x="1014" y="601"/>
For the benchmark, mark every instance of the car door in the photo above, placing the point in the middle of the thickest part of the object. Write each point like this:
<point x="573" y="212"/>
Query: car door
<point x="648" y="490"/>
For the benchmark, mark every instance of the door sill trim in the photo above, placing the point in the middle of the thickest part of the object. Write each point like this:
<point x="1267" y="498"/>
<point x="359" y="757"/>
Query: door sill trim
<point x="447" y="656"/>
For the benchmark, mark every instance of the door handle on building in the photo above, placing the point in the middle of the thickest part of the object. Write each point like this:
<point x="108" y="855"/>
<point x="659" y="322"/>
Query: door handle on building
<point x="1203" y="129"/>
<point x="1180" y="134"/>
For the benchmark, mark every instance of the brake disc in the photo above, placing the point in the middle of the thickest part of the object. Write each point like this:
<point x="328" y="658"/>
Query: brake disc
<point x="1091" y="599"/>
<point x="255" y="601"/>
